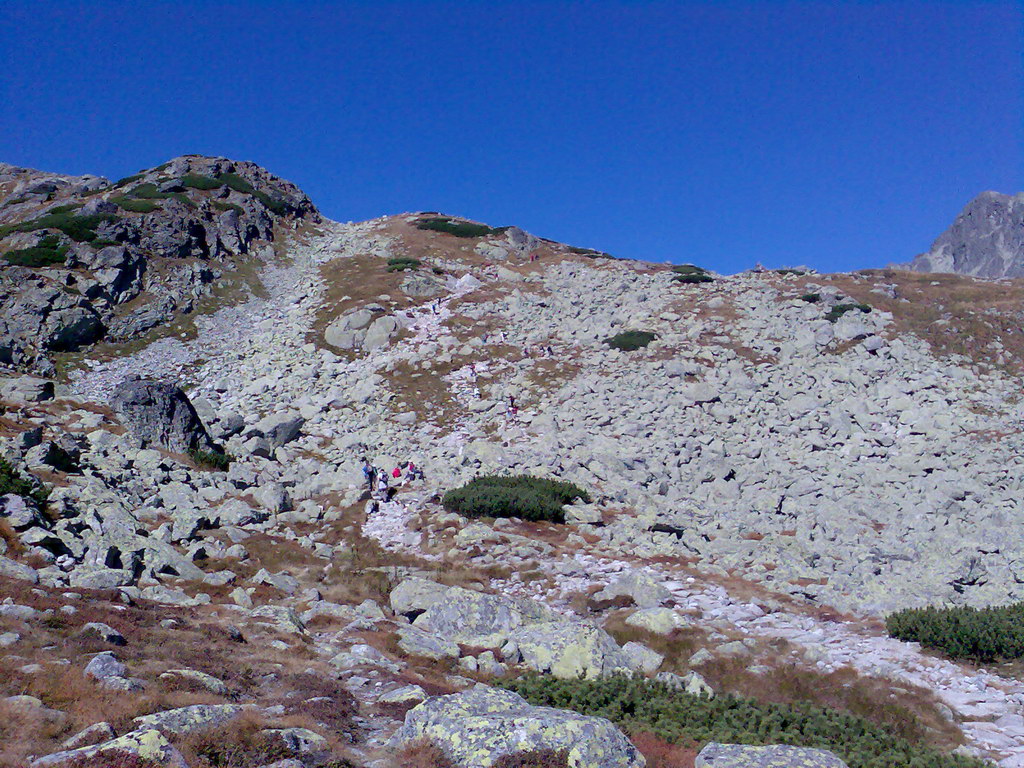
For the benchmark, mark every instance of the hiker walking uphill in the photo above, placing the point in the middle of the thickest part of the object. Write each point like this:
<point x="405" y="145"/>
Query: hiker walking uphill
<point x="368" y="474"/>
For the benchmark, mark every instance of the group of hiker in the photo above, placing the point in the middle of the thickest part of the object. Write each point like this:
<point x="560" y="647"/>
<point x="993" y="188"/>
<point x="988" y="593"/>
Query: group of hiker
<point x="379" y="481"/>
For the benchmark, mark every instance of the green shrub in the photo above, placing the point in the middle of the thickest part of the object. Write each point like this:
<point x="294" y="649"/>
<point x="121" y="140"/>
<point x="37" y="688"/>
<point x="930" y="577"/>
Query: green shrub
<point x="12" y="482"/>
<point x="457" y="228"/>
<point x="691" y="274"/>
<point x="273" y="204"/>
<point x="65" y="208"/>
<point x="789" y="271"/>
<point x="628" y="341"/>
<point x="811" y="298"/>
<point x="841" y="309"/>
<point x="194" y="181"/>
<point x="214" y="460"/>
<point x="237" y="183"/>
<point x="135" y="206"/>
<point x="530" y="498"/>
<point x="640" y="705"/>
<point x="981" y="634"/>
<point x="103" y="243"/>
<point x="222" y="206"/>
<point x="128" y="180"/>
<point x="403" y="263"/>
<point x="47" y="253"/>
<point x="81" y="229"/>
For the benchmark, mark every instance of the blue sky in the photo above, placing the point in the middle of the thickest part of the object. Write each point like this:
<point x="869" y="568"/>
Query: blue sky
<point x="840" y="135"/>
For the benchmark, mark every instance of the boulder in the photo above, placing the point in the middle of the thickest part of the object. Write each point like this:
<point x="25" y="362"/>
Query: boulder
<point x="477" y="727"/>
<point x="478" y="619"/>
<point x="570" y="650"/>
<point x="160" y="414"/>
<point x="26" y="389"/>
<point x="715" y="755"/>
<point x="660" y="621"/>
<point x="279" y="428"/>
<point x="413" y="595"/>
<point x="186" y="720"/>
<point x="638" y="586"/>
<point x="147" y="743"/>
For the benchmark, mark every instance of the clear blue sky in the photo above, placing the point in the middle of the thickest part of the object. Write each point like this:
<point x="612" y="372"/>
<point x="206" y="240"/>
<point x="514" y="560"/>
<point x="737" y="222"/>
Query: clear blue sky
<point x="840" y="135"/>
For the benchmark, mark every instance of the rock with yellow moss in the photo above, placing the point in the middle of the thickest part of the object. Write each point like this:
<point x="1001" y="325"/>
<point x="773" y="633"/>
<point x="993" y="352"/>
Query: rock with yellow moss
<point x="570" y="650"/>
<point x="475" y="728"/>
<point x="147" y="743"/>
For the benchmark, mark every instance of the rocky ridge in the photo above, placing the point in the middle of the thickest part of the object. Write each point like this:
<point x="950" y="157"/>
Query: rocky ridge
<point x="82" y="259"/>
<point x="985" y="240"/>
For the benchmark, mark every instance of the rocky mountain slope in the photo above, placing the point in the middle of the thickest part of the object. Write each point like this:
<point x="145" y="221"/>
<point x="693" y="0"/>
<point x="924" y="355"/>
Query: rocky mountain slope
<point x="790" y="457"/>
<point x="82" y="259"/>
<point x="985" y="240"/>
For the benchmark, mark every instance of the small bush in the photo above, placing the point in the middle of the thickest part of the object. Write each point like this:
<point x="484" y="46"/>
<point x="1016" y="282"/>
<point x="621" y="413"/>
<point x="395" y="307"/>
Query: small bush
<point x="403" y="263"/>
<point x="628" y="341"/>
<point x="457" y="228"/>
<point x="694" y="279"/>
<point x="103" y="243"/>
<point x="237" y="183"/>
<point x="523" y="496"/>
<point x="811" y="298"/>
<point x="81" y="229"/>
<point x="65" y="208"/>
<point x="981" y="634"/>
<point x="214" y="460"/>
<point x="12" y="482"/>
<point x="789" y="271"/>
<point x="47" y="253"/>
<point x="841" y="309"/>
<point x="222" y="206"/>
<point x="640" y="705"/>
<point x="135" y="206"/>
<point x="195" y="181"/>
<point x="128" y="180"/>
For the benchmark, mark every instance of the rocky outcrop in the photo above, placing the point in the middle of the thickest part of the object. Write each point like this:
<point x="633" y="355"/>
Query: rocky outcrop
<point x="83" y="259"/>
<point x="478" y="726"/>
<point x="985" y="240"/>
<point x="160" y="415"/>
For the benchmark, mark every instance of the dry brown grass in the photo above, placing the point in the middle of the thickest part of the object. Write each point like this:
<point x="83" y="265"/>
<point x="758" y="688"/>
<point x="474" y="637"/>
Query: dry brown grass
<point x="661" y="754"/>
<point x="11" y="539"/>
<point x="421" y="754"/>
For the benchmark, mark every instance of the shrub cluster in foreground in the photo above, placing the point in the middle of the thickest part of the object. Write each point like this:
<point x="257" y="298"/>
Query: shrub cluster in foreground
<point x="982" y="634"/>
<point x="628" y="341"/>
<point x="639" y="705"/>
<point x="530" y="498"/>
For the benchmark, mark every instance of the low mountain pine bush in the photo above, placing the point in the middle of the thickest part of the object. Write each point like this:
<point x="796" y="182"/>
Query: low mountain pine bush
<point x="457" y="228"/>
<point x="841" y="309"/>
<point x="981" y="634"/>
<point x="628" y="341"/>
<point x="646" y="706"/>
<point x="523" y="496"/>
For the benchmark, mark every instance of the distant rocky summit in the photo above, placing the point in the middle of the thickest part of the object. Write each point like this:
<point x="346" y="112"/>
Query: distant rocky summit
<point x="985" y="240"/>
<point x="82" y="259"/>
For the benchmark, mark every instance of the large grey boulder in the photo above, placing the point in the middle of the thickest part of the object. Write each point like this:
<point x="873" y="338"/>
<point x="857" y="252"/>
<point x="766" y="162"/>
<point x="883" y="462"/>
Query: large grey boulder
<point x="638" y="586"/>
<point x="478" y="619"/>
<point x="186" y="720"/>
<point x="477" y="727"/>
<point x="148" y="743"/>
<point x="570" y="650"/>
<point x="160" y="414"/>
<point x="715" y="755"/>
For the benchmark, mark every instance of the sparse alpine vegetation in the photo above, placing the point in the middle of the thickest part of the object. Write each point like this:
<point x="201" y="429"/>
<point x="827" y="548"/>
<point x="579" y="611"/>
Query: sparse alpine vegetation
<point x="645" y="706"/>
<point x="841" y="309"/>
<point x="12" y="482"/>
<point x="81" y="229"/>
<point x="48" y="252"/>
<point x="980" y="634"/>
<point x="213" y="460"/>
<point x="457" y="228"/>
<point x="403" y="263"/>
<point x="691" y="274"/>
<point x="629" y="341"/>
<point x="523" y="496"/>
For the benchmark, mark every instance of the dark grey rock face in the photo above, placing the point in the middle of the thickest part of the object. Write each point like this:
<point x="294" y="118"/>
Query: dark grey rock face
<point x="160" y="414"/>
<point x="122" y="258"/>
<point x="985" y="240"/>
